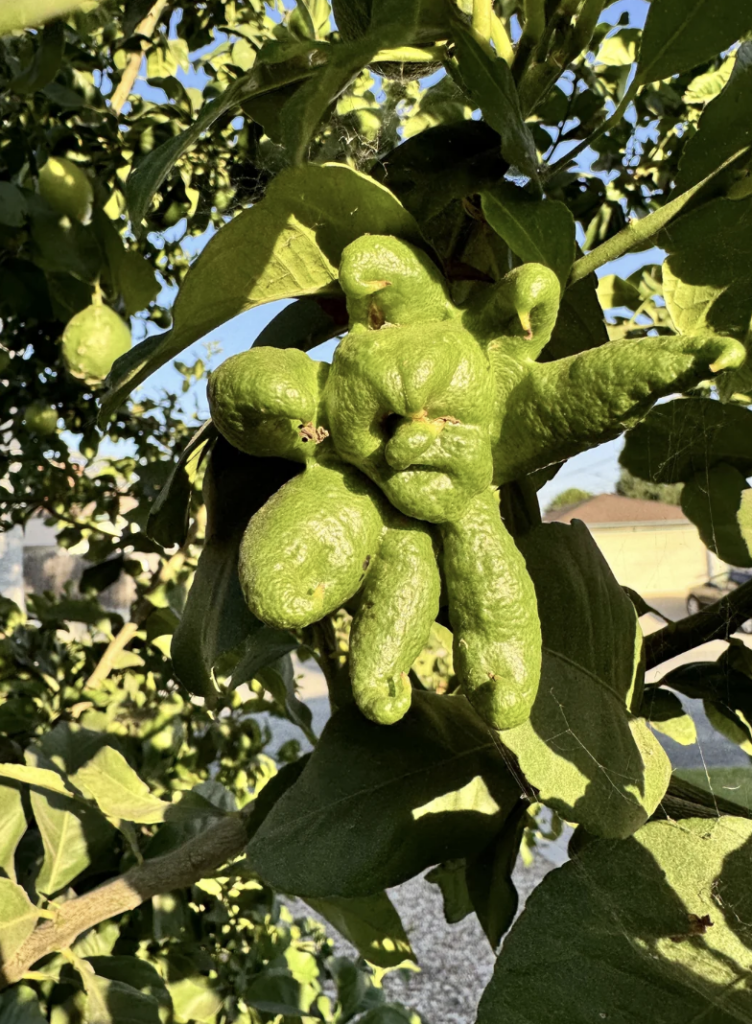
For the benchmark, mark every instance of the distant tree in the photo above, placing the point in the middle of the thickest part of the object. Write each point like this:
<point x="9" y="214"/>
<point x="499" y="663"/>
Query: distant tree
<point x="633" y="487"/>
<point x="572" y="496"/>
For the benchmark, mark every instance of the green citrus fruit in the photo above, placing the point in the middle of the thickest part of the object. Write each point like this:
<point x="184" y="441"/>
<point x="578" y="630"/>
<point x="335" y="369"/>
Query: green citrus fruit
<point x="66" y="188"/>
<point x="41" y="418"/>
<point x="4" y="361"/>
<point x="92" y="341"/>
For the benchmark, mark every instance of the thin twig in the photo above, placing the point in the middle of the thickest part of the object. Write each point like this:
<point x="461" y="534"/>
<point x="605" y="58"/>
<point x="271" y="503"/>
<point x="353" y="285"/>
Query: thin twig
<point x="145" y="29"/>
<point x="717" y="622"/>
<point x="196" y="859"/>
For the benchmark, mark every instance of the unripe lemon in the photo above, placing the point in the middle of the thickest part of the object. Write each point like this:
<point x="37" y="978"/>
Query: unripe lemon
<point x="41" y="418"/>
<point x="66" y="188"/>
<point x="92" y="341"/>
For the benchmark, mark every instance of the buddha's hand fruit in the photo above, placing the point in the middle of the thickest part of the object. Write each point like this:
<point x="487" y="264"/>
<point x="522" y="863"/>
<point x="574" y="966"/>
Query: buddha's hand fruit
<point x="92" y="340"/>
<point x="409" y="399"/>
<point x="554" y="410"/>
<point x="493" y="613"/>
<point x="398" y="605"/>
<point x="309" y="548"/>
<point x="266" y="402"/>
<point x="67" y="189"/>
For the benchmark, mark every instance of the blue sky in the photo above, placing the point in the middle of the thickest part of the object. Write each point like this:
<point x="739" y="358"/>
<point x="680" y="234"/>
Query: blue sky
<point x="596" y="470"/>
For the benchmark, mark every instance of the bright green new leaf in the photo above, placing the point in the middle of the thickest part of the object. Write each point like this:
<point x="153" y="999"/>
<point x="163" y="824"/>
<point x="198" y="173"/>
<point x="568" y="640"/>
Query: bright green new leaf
<point x="18" y="917"/>
<point x="536" y="230"/>
<point x="435" y="782"/>
<point x="725" y="125"/>
<point x="681" y="438"/>
<point x="680" y="34"/>
<point x="371" y="924"/>
<point x="288" y="244"/>
<point x="118" y="791"/>
<point x="591" y="760"/>
<point x="707" y="276"/>
<point x="664" y="712"/>
<point x="653" y="928"/>
<point x="12" y="826"/>
<point x="712" y="500"/>
<point x="489" y="81"/>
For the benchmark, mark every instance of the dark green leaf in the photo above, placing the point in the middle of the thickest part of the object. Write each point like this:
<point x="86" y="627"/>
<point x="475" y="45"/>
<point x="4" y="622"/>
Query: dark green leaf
<point x="277" y="992"/>
<point x="651" y="928"/>
<point x="47" y="60"/>
<point x="489" y="81"/>
<point x="725" y="125"/>
<point x="536" y="230"/>
<point x="12" y="205"/>
<point x="451" y="880"/>
<point x="135" y="11"/>
<point x="730" y="784"/>
<point x="286" y="245"/>
<point x="389" y="1013"/>
<point x="664" y="711"/>
<point x="434" y="782"/>
<point x="680" y="34"/>
<point x="707" y="277"/>
<point x="304" y="324"/>
<point x="489" y="879"/>
<point x="216" y="619"/>
<point x="276" y="673"/>
<point x="20" y="1005"/>
<point x="114" y="1002"/>
<point x="712" y="499"/>
<point x="580" y="324"/>
<point x="168" y="517"/>
<point x="615" y="291"/>
<point x="371" y="924"/>
<point x="591" y="760"/>
<point x="681" y="438"/>
<point x="97" y="578"/>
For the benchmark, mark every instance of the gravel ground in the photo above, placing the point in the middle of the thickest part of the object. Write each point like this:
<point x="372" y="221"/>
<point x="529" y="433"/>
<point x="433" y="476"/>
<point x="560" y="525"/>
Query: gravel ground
<point x="456" y="960"/>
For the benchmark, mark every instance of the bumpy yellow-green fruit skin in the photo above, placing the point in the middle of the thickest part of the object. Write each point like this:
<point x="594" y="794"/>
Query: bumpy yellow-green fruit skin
<point x="66" y="188"/>
<point x="266" y="402"/>
<point x="41" y="418"/>
<point x="309" y="549"/>
<point x="92" y="340"/>
<point x="399" y="603"/>
<point x="494" y="615"/>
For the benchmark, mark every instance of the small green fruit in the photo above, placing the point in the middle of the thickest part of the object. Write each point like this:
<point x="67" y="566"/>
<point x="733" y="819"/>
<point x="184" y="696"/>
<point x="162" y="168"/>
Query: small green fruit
<point x="4" y="361"/>
<point x="92" y="341"/>
<point x="66" y="188"/>
<point x="41" y="419"/>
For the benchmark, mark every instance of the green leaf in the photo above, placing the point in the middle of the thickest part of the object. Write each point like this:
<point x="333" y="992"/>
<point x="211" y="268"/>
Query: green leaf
<point x="536" y="230"/>
<point x="732" y="784"/>
<point x="707" y="276"/>
<point x="304" y="324"/>
<point x="286" y="245"/>
<point x="216" y="619"/>
<point x="451" y="880"/>
<point x="489" y="878"/>
<point x="97" y="578"/>
<point x="579" y="324"/>
<point x="20" y="1005"/>
<point x="489" y="81"/>
<point x="664" y="712"/>
<point x="118" y="791"/>
<point x="12" y="827"/>
<point x="591" y="760"/>
<point x="684" y="437"/>
<point x="277" y="675"/>
<point x="147" y="177"/>
<point x="47" y="60"/>
<point x="12" y="205"/>
<point x="614" y="291"/>
<point x="724" y="128"/>
<point x="18" y="918"/>
<point x="389" y="1013"/>
<point x="712" y="499"/>
<point x="15" y="14"/>
<point x="370" y="924"/>
<point x="277" y="992"/>
<point x="653" y="928"/>
<point x="680" y="34"/>
<point x="168" y="517"/>
<point x="194" y="996"/>
<point x="435" y="782"/>
<point x="73" y="837"/>
<point x="744" y="518"/>
<point x="44" y="778"/>
<point x="114" y="1002"/>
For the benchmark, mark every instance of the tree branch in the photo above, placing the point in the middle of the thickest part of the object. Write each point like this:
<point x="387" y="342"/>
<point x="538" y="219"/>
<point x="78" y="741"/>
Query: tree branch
<point x="179" y="869"/>
<point x="144" y="28"/>
<point x="717" y="622"/>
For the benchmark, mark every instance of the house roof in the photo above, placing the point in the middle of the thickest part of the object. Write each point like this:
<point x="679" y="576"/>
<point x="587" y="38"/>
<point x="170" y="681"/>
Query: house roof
<point x="615" y="509"/>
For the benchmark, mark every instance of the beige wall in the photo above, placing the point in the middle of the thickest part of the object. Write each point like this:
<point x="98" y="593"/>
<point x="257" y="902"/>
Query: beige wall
<point x="664" y="559"/>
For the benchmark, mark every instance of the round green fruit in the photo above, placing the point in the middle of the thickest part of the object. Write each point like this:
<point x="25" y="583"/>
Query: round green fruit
<point x="41" y="419"/>
<point x="93" y="339"/>
<point x="66" y="188"/>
